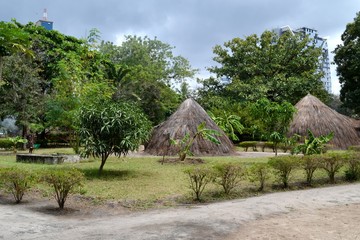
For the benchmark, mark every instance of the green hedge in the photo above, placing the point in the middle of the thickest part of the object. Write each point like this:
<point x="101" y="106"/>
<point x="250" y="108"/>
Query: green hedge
<point x="5" y="143"/>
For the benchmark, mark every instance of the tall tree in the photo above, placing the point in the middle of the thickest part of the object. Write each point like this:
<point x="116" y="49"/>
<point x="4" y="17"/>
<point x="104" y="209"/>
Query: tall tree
<point x="279" y="68"/>
<point x="347" y="57"/>
<point x="12" y="40"/>
<point x="146" y="71"/>
<point x="20" y="95"/>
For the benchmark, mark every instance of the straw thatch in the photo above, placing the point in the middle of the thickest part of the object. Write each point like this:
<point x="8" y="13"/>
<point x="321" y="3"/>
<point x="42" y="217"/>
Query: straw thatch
<point x="185" y="120"/>
<point x="314" y="115"/>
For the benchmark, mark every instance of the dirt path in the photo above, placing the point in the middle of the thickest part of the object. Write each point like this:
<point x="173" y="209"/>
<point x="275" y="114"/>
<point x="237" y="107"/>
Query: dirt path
<point x="324" y="213"/>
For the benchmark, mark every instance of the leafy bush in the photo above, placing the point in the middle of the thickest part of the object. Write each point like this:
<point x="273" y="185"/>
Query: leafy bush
<point x="355" y="148"/>
<point x="332" y="163"/>
<point x="228" y="175"/>
<point x="283" y="167"/>
<point x="352" y="173"/>
<point x="310" y="163"/>
<point x="5" y="143"/>
<point x="247" y="144"/>
<point x="199" y="177"/>
<point x="64" y="181"/>
<point x="16" y="181"/>
<point x="313" y="145"/>
<point x="259" y="172"/>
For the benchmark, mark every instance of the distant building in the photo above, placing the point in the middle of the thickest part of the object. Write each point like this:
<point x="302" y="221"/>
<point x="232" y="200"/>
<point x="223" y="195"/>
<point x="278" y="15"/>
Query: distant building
<point x="48" y="25"/>
<point x="319" y="42"/>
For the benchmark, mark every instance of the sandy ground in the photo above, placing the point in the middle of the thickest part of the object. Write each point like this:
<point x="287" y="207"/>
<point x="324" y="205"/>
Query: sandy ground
<point x="322" y="213"/>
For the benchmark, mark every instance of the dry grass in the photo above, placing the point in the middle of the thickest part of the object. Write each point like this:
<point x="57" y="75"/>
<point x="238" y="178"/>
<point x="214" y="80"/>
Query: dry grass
<point x="185" y="120"/>
<point x="314" y="115"/>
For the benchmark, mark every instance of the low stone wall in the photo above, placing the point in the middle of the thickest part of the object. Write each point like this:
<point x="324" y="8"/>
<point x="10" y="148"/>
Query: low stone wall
<point x="47" y="158"/>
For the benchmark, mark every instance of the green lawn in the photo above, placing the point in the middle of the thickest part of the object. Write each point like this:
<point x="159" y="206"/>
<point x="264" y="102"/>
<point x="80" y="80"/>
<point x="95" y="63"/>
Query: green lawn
<point x="147" y="181"/>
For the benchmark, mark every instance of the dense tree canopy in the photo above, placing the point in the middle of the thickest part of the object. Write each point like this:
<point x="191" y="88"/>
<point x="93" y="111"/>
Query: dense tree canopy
<point x="112" y="128"/>
<point x="279" y="68"/>
<point x="12" y="40"/>
<point x="145" y="71"/>
<point x="347" y="57"/>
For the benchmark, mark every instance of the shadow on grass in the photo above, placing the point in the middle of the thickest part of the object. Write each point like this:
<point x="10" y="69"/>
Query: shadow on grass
<point x="109" y="174"/>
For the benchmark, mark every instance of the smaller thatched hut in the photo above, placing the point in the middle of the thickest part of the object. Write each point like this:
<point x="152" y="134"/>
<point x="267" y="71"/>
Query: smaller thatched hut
<point x="314" y="115"/>
<point x="186" y="119"/>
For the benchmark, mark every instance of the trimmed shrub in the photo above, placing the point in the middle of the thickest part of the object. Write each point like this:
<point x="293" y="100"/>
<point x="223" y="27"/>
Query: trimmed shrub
<point x="199" y="177"/>
<point x="354" y="148"/>
<point x="259" y="172"/>
<point x="247" y="144"/>
<point x="352" y="173"/>
<point x="5" y="143"/>
<point x="283" y="167"/>
<point x="16" y="181"/>
<point x="228" y="175"/>
<point x="332" y="163"/>
<point x="64" y="181"/>
<point x="310" y="163"/>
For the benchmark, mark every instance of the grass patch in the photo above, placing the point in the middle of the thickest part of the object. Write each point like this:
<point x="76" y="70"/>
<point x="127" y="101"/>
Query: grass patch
<point x="143" y="182"/>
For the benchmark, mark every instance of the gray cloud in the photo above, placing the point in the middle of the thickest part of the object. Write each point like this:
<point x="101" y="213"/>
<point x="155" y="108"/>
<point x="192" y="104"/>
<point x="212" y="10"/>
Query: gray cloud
<point x="194" y="27"/>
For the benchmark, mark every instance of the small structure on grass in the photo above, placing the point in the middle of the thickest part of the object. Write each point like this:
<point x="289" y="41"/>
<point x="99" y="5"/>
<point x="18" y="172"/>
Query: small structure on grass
<point x="185" y="120"/>
<point x="47" y="158"/>
<point x="314" y="115"/>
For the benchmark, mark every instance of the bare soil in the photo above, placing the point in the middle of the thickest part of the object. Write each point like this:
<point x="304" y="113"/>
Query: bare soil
<point x="321" y="213"/>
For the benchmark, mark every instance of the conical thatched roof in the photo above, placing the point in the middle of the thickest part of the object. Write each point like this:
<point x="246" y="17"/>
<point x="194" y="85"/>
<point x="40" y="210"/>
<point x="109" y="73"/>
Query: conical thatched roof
<point x="185" y="120"/>
<point x="321" y="120"/>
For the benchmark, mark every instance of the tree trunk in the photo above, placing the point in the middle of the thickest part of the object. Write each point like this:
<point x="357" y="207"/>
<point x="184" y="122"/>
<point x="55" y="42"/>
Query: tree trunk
<point x="104" y="157"/>
<point x="1" y="69"/>
<point x="24" y="135"/>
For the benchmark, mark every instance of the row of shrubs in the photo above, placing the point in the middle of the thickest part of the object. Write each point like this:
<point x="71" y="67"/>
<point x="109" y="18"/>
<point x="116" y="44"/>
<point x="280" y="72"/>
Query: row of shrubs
<point x="229" y="175"/>
<point x="62" y="180"/>
<point x="255" y="145"/>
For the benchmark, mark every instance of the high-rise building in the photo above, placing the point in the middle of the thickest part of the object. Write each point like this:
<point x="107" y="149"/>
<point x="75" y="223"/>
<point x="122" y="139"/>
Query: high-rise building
<point x="319" y="42"/>
<point x="44" y="22"/>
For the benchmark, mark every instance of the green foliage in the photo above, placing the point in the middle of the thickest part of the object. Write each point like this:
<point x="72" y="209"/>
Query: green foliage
<point x="279" y="68"/>
<point x="352" y="173"/>
<point x="228" y="175"/>
<point x="274" y="116"/>
<point x="64" y="181"/>
<point x="276" y="138"/>
<point x="247" y="144"/>
<point x="283" y="167"/>
<point x="147" y="68"/>
<point x="15" y="141"/>
<point x="259" y="172"/>
<point x="12" y="40"/>
<point x="229" y="123"/>
<point x="18" y="98"/>
<point x="6" y="143"/>
<point x="346" y="58"/>
<point x="313" y="145"/>
<point x="16" y="181"/>
<point x="332" y="164"/>
<point x="354" y="148"/>
<point x="112" y="128"/>
<point x="186" y="142"/>
<point x="198" y="178"/>
<point x="310" y="163"/>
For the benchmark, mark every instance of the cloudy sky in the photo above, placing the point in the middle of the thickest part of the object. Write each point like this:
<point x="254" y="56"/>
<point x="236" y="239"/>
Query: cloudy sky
<point x="193" y="27"/>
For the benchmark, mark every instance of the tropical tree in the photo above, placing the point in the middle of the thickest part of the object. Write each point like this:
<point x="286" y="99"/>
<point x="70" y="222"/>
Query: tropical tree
<point x="12" y="40"/>
<point x="313" y="145"/>
<point x="187" y="141"/>
<point x="279" y="68"/>
<point x="111" y="128"/>
<point x="146" y="72"/>
<point x="229" y="123"/>
<point x="20" y="95"/>
<point x="347" y="57"/>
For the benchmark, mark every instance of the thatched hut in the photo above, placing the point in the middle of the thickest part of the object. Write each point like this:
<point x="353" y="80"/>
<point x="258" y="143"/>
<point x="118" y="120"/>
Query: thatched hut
<point x="186" y="120"/>
<point x="314" y="115"/>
